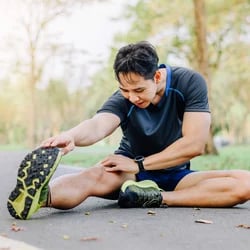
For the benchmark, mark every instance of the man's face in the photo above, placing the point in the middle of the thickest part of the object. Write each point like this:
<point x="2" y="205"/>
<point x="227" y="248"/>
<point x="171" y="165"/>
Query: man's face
<point x="137" y="90"/>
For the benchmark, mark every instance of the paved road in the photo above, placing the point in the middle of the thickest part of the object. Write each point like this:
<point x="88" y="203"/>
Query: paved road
<point x="101" y="224"/>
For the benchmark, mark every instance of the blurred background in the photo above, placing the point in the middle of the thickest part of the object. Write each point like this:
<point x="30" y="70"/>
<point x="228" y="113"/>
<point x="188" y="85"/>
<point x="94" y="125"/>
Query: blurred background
<point x="56" y="59"/>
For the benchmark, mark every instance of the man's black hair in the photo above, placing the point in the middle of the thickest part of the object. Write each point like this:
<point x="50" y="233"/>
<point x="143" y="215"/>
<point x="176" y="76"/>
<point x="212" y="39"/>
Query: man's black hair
<point x="140" y="58"/>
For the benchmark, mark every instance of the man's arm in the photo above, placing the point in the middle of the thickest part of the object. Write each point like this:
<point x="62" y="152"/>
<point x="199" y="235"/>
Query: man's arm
<point x="195" y="130"/>
<point x="86" y="133"/>
<point x="95" y="129"/>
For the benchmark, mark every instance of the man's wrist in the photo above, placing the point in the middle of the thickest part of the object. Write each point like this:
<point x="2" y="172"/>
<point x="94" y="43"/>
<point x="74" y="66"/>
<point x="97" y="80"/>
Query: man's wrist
<point x="139" y="160"/>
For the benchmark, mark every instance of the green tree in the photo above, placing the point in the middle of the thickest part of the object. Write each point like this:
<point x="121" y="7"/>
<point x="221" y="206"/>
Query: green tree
<point x="13" y="113"/>
<point x="170" y="25"/>
<point x="202" y="57"/>
<point x="35" y="45"/>
<point x="59" y="109"/>
<point x="39" y="46"/>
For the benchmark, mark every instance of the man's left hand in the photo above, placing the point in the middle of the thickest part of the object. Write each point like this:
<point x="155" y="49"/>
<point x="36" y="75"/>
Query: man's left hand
<point x="115" y="162"/>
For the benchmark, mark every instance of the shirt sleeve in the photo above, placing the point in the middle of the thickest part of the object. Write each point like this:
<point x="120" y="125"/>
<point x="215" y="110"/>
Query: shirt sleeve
<point x="195" y="93"/>
<point x="116" y="104"/>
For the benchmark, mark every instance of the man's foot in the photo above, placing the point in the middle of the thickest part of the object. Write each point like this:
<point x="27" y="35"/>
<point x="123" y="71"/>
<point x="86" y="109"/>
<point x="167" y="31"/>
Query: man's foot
<point x="34" y="174"/>
<point x="140" y="194"/>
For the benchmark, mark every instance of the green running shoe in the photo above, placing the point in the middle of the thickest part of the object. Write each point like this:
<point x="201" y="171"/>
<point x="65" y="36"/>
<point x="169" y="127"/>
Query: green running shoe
<point x="140" y="194"/>
<point x="33" y="177"/>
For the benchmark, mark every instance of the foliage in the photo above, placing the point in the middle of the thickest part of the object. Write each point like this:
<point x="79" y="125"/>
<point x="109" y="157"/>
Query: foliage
<point x="33" y="46"/>
<point x="104" y="84"/>
<point x="169" y="25"/>
<point x="12" y="110"/>
<point x="230" y="157"/>
<point x="171" y="29"/>
<point x="59" y="110"/>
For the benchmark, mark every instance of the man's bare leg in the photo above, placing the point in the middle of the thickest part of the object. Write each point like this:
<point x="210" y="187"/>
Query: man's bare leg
<point x="70" y="190"/>
<point x="211" y="189"/>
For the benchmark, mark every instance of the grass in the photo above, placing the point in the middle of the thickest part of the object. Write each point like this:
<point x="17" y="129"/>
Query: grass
<point x="230" y="157"/>
<point x="11" y="147"/>
<point x="86" y="157"/>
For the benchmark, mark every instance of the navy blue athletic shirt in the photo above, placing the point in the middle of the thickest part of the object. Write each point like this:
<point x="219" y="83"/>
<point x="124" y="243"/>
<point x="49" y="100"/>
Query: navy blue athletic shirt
<point x="150" y="130"/>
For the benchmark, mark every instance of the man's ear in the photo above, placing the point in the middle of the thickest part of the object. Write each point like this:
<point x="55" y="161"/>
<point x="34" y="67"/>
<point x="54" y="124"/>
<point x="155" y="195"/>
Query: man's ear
<point x="157" y="76"/>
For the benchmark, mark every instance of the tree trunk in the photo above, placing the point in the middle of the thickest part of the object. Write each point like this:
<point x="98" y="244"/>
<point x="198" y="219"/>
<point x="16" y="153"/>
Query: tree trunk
<point x="202" y="56"/>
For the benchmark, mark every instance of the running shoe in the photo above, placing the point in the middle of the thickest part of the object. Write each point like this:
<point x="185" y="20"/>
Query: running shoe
<point x="140" y="194"/>
<point x="34" y="174"/>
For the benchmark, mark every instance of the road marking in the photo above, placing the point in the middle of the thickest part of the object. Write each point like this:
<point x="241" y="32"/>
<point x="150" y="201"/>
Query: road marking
<point x="9" y="244"/>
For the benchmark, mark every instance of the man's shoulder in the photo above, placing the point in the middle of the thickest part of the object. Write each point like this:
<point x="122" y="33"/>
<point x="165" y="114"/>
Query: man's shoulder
<point x="179" y="71"/>
<point x="118" y="98"/>
<point x="186" y="77"/>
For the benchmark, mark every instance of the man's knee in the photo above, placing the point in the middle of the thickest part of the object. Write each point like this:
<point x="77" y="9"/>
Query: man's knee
<point x="94" y="174"/>
<point x="101" y="179"/>
<point x="97" y="174"/>
<point x="242" y="190"/>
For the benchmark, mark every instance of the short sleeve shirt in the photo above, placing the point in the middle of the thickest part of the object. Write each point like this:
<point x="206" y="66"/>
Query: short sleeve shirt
<point x="150" y="130"/>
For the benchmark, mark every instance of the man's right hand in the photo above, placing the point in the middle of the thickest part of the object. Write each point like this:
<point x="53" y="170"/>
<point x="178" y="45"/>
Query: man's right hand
<point x="63" y="141"/>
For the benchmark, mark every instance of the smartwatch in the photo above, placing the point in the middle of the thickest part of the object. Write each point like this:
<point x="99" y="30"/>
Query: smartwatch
<point x="139" y="160"/>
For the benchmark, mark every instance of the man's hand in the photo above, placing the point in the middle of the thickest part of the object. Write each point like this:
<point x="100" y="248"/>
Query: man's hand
<point x="64" y="141"/>
<point x="115" y="162"/>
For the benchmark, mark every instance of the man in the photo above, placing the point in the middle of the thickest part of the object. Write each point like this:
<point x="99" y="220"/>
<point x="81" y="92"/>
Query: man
<point x="164" y="115"/>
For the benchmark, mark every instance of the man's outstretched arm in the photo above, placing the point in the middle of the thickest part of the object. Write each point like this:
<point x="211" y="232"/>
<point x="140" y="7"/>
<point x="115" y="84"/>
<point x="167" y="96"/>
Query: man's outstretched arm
<point x="86" y="133"/>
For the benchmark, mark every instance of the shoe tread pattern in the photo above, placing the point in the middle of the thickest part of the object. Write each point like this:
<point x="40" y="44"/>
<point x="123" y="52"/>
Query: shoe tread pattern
<point x="32" y="176"/>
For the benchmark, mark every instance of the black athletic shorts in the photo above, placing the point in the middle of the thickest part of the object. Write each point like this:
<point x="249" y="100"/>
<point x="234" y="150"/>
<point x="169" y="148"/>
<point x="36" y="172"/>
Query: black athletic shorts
<point x="165" y="179"/>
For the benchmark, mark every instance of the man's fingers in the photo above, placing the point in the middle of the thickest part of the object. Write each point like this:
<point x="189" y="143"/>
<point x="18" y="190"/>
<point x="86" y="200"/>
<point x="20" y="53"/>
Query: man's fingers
<point x="111" y="168"/>
<point x="47" y="143"/>
<point x="64" y="143"/>
<point x="67" y="149"/>
<point x="54" y="142"/>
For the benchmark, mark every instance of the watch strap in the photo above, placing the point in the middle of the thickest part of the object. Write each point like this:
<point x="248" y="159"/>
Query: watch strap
<point x="139" y="160"/>
<point x="141" y="166"/>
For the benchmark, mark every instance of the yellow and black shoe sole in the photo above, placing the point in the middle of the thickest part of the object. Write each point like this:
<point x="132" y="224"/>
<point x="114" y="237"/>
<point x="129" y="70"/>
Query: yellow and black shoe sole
<point x="33" y="176"/>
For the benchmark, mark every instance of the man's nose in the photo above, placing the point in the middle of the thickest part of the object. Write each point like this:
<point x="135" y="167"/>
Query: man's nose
<point x="133" y="97"/>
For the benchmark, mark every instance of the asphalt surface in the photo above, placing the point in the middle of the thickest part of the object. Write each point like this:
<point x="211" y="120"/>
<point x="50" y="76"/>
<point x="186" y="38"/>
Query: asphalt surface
<point x="101" y="224"/>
